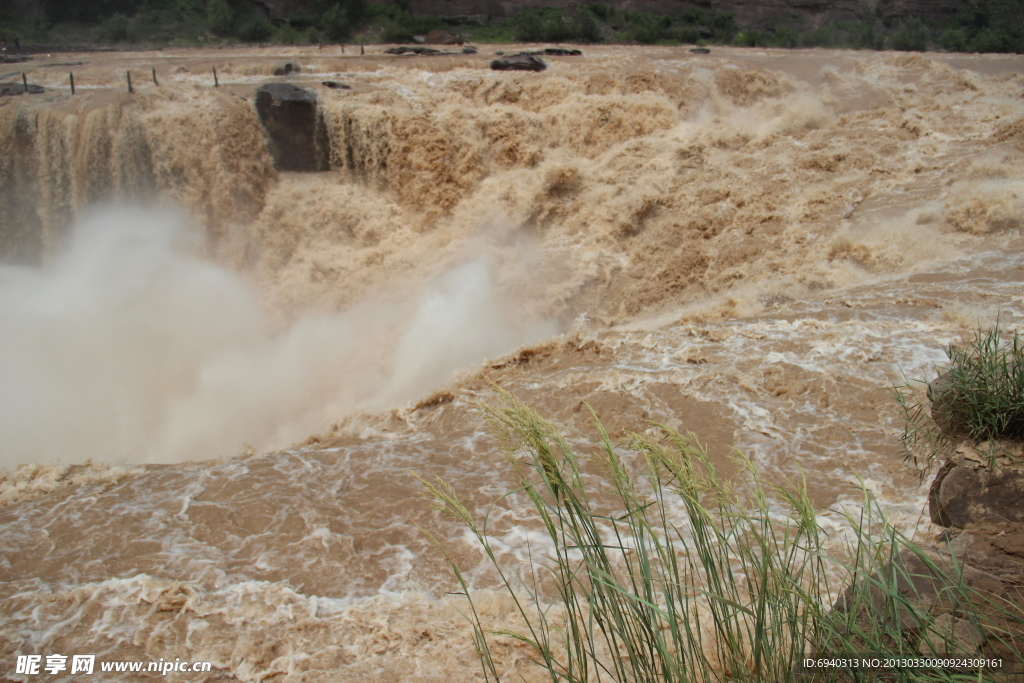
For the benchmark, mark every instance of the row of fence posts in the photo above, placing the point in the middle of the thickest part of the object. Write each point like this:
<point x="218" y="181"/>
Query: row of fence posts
<point x="127" y="75"/>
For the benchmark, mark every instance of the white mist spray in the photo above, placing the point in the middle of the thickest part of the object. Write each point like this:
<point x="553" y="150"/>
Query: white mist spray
<point x="457" y="323"/>
<point x="126" y="347"/>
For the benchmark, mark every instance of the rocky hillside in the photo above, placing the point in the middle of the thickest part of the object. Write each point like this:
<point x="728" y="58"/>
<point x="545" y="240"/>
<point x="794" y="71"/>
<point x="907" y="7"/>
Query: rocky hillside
<point x="746" y="12"/>
<point x="756" y="12"/>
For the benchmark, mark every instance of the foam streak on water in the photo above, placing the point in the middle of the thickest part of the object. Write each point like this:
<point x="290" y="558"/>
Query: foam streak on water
<point x="752" y="245"/>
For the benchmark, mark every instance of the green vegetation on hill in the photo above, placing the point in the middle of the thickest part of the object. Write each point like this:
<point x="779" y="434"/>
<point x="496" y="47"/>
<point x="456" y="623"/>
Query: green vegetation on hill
<point x="988" y="26"/>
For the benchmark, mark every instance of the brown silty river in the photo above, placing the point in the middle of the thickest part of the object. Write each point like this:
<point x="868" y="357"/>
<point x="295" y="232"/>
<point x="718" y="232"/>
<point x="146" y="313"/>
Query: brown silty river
<point x="215" y="377"/>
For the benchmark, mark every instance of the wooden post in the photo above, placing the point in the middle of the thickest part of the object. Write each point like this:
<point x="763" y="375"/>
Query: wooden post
<point x="216" y="83"/>
<point x="24" y="81"/>
<point x="343" y="48"/>
<point x="154" y="78"/>
<point x="72" y="77"/>
<point x="128" y="75"/>
<point x="361" y="50"/>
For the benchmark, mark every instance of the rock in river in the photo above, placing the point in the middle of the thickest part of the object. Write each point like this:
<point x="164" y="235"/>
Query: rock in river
<point x="289" y="115"/>
<point x="521" y="62"/>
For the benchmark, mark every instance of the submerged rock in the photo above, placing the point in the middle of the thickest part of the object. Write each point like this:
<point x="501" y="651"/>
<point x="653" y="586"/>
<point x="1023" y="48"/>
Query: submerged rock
<point x="9" y="89"/>
<point x="334" y="85"/>
<point x="415" y="50"/>
<point x="521" y="62"/>
<point x="287" y="69"/>
<point x="555" y="52"/>
<point x="290" y="117"/>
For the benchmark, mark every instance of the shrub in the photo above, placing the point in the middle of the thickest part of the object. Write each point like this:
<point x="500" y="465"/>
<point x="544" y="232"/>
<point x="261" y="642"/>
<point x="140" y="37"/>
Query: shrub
<point x="913" y="35"/>
<point x="979" y="396"/>
<point x="864" y="37"/>
<point x="529" y="27"/>
<point x="286" y="34"/>
<point x="545" y="25"/>
<point x="394" y="32"/>
<point x="723" y="24"/>
<point x="601" y="11"/>
<point x="688" y="34"/>
<point x="953" y="40"/>
<point x="1007" y="38"/>
<point x="555" y="29"/>
<point x="823" y="36"/>
<point x="336" y="24"/>
<point x="356" y="10"/>
<point x="785" y="37"/>
<point x="256" y="31"/>
<point x="116" y="29"/>
<point x="749" y="38"/>
<point x="584" y="26"/>
<point x="676" y="575"/>
<point x="219" y="17"/>
<point x="649" y="30"/>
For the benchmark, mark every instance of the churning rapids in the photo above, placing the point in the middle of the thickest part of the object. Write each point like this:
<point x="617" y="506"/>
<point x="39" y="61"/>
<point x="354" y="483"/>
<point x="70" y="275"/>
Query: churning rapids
<point x="753" y="245"/>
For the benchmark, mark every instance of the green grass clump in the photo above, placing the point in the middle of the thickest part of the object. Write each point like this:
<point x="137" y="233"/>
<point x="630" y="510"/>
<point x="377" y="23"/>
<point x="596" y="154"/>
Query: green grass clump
<point x="659" y="570"/>
<point x="979" y="396"/>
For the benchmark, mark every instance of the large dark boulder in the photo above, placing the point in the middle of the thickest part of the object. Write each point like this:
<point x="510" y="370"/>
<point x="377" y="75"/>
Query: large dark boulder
<point x="290" y="117"/>
<point x="521" y="62"/>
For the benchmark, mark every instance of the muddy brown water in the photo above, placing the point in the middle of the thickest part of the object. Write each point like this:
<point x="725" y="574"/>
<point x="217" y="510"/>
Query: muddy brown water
<point x="209" y="429"/>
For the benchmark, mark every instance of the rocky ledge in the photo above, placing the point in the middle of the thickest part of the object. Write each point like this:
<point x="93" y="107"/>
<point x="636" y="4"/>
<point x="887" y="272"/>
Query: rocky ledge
<point x="962" y="592"/>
